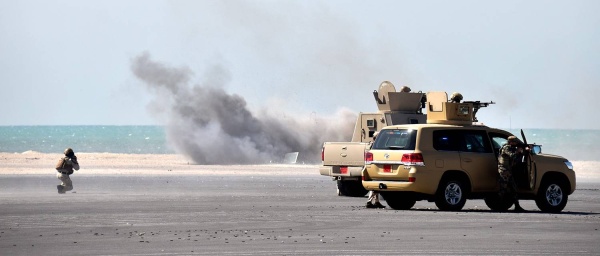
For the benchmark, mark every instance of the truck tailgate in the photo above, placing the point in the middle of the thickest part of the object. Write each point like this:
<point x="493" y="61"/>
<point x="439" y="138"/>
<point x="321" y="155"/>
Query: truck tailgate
<point x="344" y="153"/>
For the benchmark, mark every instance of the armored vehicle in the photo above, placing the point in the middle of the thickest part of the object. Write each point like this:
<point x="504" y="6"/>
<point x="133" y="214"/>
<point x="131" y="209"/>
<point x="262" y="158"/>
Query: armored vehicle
<point x="344" y="161"/>
<point x="451" y="159"/>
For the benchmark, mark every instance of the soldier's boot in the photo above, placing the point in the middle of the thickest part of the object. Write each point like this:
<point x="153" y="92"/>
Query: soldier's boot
<point x="518" y="207"/>
<point x="379" y="205"/>
<point x="60" y="189"/>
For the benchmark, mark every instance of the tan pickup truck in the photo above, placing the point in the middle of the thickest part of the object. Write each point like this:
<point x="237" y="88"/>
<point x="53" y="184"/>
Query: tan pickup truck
<point x="344" y="161"/>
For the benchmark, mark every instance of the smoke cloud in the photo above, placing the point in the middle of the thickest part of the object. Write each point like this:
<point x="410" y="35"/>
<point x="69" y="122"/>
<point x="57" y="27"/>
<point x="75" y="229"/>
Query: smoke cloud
<point x="211" y="126"/>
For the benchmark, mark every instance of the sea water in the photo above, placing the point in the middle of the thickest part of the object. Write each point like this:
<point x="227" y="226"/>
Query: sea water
<point x="582" y="145"/>
<point x="90" y="139"/>
<point x="572" y="144"/>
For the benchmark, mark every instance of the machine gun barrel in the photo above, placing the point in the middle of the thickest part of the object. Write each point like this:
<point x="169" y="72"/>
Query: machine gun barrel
<point x="477" y="105"/>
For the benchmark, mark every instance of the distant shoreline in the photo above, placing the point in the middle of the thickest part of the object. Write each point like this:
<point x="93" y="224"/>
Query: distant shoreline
<point x="35" y="163"/>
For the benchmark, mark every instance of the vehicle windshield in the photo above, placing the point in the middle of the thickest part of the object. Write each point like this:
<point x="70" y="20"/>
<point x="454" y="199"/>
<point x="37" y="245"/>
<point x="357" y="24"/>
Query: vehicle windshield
<point x="396" y="139"/>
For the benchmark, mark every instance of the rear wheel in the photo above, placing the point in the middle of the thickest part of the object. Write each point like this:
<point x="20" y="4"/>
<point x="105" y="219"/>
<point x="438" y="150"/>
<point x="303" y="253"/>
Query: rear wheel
<point x="352" y="188"/>
<point x="498" y="203"/>
<point x="398" y="200"/>
<point x="451" y="195"/>
<point x="552" y="196"/>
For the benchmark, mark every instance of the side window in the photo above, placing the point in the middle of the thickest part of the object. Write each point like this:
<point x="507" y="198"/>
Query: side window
<point x="445" y="140"/>
<point x="476" y="141"/>
<point x="497" y="141"/>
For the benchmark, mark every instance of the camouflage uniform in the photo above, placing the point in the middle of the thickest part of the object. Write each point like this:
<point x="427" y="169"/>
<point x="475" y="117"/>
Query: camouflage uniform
<point x="70" y="163"/>
<point x="506" y="162"/>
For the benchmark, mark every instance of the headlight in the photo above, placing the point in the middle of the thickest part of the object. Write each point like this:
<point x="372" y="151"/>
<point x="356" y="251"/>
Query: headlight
<point x="569" y="165"/>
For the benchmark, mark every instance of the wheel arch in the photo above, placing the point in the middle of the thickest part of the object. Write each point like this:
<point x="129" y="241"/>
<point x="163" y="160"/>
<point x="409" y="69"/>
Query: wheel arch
<point x="554" y="175"/>
<point x="458" y="175"/>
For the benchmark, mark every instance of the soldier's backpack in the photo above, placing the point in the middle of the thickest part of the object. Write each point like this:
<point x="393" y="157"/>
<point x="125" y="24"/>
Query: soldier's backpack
<point x="63" y="165"/>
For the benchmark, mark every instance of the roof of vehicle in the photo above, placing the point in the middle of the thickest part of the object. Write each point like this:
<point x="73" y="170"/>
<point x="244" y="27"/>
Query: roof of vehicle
<point x="477" y="126"/>
<point x="418" y="126"/>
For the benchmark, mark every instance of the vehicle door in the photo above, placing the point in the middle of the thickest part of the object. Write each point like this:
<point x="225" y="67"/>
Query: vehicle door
<point x="446" y="144"/>
<point x="525" y="173"/>
<point x="477" y="158"/>
<point x="388" y="150"/>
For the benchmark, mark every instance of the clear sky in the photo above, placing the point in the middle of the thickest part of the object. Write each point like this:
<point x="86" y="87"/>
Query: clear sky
<point x="69" y="62"/>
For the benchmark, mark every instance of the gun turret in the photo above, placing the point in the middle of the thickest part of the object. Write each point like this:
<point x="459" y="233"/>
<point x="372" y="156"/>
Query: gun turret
<point x="388" y="99"/>
<point x="477" y="105"/>
<point x="440" y="111"/>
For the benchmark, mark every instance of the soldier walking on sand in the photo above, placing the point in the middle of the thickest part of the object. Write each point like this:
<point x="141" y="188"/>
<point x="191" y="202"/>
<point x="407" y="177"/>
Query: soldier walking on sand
<point x="65" y="168"/>
<point x="507" y="160"/>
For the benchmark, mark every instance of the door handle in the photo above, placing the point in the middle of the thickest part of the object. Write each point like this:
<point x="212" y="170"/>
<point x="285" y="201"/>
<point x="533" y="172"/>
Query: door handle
<point x="467" y="160"/>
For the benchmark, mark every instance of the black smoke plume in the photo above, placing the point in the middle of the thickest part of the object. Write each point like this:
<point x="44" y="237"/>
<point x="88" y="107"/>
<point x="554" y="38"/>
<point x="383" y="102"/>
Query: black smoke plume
<point x="211" y="126"/>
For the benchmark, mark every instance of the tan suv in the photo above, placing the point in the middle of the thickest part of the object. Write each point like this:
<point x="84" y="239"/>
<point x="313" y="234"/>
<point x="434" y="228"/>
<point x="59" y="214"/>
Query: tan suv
<point x="448" y="164"/>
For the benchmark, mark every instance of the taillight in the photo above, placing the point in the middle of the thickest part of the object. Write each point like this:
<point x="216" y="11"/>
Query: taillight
<point x="412" y="159"/>
<point x="368" y="157"/>
<point x="343" y="169"/>
<point x="323" y="154"/>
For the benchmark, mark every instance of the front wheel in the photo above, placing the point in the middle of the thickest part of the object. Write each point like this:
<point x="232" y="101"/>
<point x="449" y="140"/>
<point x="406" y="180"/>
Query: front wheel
<point x="451" y="195"/>
<point x="552" y="197"/>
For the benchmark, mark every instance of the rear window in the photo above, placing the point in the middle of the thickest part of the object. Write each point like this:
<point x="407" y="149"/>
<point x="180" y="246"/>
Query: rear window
<point x="400" y="139"/>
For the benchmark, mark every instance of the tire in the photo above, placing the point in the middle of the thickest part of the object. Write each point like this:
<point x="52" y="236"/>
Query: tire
<point x="451" y="195"/>
<point x="353" y="188"/>
<point x="398" y="200"/>
<point x="498" y="203"/>
<point x="552" y="197"/>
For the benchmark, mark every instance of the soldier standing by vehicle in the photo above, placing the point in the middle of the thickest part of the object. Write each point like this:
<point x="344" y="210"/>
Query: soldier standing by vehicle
<point x="507" y="160"/>
<point x="373" y="201"/>
<point x="65" y="168"/>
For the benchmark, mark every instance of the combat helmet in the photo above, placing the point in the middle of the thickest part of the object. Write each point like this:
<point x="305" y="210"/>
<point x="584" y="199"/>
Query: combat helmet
<point x="69" y="151"/>
<point x="456" y="97"/>
<point x="512" y="139"/>
<point x="405" y="89"/>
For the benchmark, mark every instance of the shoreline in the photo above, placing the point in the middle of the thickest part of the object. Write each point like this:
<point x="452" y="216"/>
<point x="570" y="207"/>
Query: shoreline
<point x="35" y="163"/>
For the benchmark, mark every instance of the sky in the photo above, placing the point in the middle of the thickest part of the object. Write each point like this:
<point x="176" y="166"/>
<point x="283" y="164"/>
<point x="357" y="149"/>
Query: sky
<point x="71" y="62"/>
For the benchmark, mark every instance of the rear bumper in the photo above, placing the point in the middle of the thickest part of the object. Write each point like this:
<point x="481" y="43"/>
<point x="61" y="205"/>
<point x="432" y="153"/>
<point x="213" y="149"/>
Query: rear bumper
<point x="335" y="171"/>
<point x="398" y="186"/>
<point x="389" y="185"/>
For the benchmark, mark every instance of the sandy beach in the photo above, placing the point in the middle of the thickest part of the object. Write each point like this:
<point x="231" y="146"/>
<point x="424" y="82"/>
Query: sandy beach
<point x="35" y="163"/>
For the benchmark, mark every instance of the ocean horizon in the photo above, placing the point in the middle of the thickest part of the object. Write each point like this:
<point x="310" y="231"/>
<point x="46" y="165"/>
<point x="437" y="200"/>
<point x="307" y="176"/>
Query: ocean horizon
<point x="127" y="139"/>
<point x="583" y="145"/>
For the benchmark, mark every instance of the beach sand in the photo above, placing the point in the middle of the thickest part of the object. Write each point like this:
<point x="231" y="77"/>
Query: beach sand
<point x="35" y="163"/>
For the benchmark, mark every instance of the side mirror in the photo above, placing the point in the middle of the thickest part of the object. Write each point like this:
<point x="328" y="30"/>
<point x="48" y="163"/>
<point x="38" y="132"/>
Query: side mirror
<point x="536" y="149"/>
